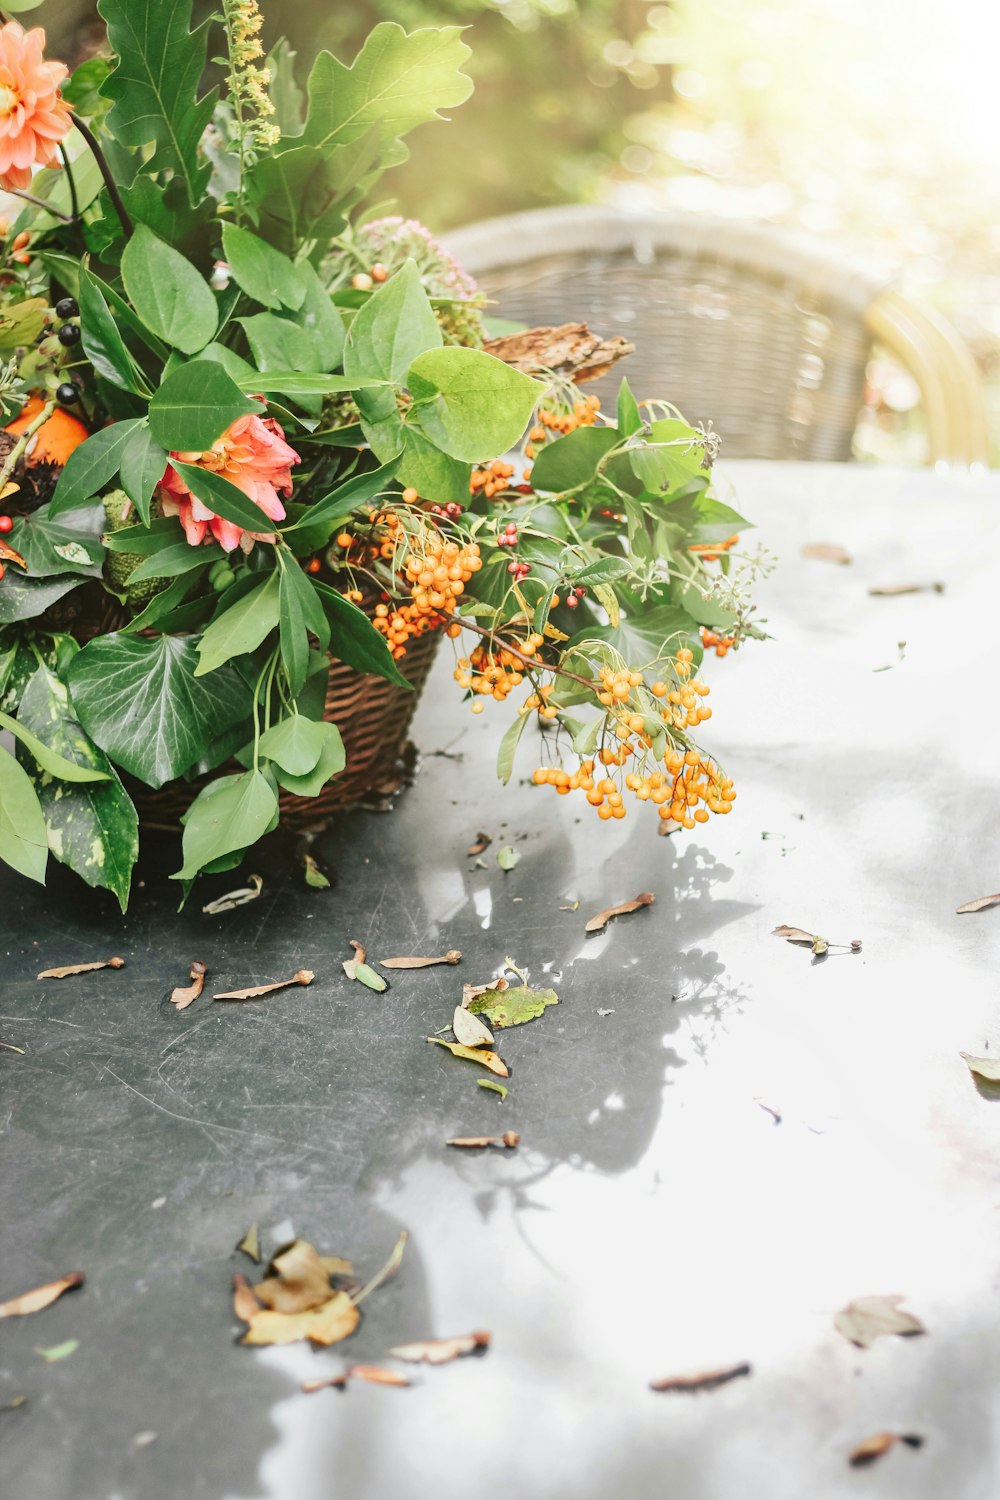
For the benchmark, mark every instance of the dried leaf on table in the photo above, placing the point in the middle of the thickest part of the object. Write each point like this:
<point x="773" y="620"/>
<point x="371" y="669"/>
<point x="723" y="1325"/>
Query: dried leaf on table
<point x="980" y="904"/>
<point x="513" y="1006"/>
<point x="328" y="1382"/>
<point x="469" y="1029"/>
<point x="232" y="899"/>
<point x="826" y="552"/>
<point x="245" y="1304"/>
<point x="819" y="945"/>
<point x="65" y="971"/>
<point x="368" y="977"/>
<point x="483" y="842"/>
<point x="42" y="1296"/>
<point x="298" y="1300"/>
<point x="296" y="1281"/>
<point x="374" y="1374"/>
<point x="184" y="996"/>
<point x="704" y="1380"/>
<point x="867" y="1318"/>
<point x="336" y="1265"/>
<point x="14" y="1404"/>
<point x="441" y="1351"/>
<point x="389" y="1270"/>
<point x="470" y="991"/>
<point x="496" y="1088"/>
<point x="879" y="1443"/>
<point x="301" y="976"/>
<point x="360" y="954"/>
<point x="569" y="349"/>
<point x="250" y="1244"/>
<point x="313" y="874"/>
<point x="983" y="1067"/>
<point x="486" y="1059"/>
<point x="9" y="1047"/>
<point x="573" y="906"/>
<point x="598" y="923"/>
<point x="508" y="1140"/>
<point x="332" y="1321"/>
<point x="451" y="957"/>
<point x="507" y="857"/>
<point x="59" y="1351"/>
<point x="885" y="590"/>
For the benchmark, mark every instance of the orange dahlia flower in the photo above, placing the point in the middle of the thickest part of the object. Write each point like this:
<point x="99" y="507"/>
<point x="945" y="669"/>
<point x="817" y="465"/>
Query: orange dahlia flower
<point x="34" y="117"/>
<point x="253" y="455"/>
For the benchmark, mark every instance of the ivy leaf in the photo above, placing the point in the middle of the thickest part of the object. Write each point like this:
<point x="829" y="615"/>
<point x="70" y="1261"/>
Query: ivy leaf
<point x="170" y="296"/>
<point x="23" y="836"/>
<point x="24" y="598"/>
<point x="93" y="828"/>
<point x="193" y="407"/>
<point x="230" y="814"/>
<point x="270" y="278"/>
<point x="512" y="1007"/>
<point x="139" y="699"/>
<point x="396" y="324"/>
<point x="470" y="404"/>
<point x="672" y="466"/>
<point x="239" y="628"/>
<point x="91" y="466"/>
<point x="154" y="85"/>
<point x="295" y="744"/>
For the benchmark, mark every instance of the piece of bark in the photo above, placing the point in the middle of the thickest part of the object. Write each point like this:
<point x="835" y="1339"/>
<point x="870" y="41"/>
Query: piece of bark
<point x="703" y="1380"/>
<point x="568" y="349"/>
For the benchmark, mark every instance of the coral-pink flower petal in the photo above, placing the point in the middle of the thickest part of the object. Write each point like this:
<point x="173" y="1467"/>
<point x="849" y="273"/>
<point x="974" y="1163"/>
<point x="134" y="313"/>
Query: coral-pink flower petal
<point x="253" y="455"/>
<point x="34" y="117"/>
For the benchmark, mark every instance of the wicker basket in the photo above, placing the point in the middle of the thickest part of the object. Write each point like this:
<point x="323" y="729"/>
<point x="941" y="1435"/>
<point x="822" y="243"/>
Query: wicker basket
<point x="373" y="717"/>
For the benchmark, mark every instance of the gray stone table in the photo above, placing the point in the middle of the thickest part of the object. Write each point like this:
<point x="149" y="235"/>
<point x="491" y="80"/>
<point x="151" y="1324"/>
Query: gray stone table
<point x="657" y="1218"/>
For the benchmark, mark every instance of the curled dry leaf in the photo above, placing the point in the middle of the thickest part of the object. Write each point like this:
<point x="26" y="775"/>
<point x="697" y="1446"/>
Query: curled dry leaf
<point x="704" y="1380"/>
<point x="232" y="899"/>
<point x="483" y="842"/>
<point x="451" y="957"/>
<point x="987" y="1068"/>
<point x="360" y="954"/>
<point x="472" y="1054"/>
<point x="374" y="1374"/>
<point x="296" y="1301"/>
<point x="297" y="1280"/>
<point x="980" y="903"/>
<point x="245" y="1304"/>
<point x="42" y="1296"/>
<point x="65" y="971"/>
<point x="867" y="1318"/>
<point x="470" y="991"/>
<point x="508" y="857"/>
<point x="879" y="1443"/>
<point x="183" y="997"/>
<point x="8" y="554"/>
<point x="469" y="1029"/>
<point x="509" y="1140"/>
<point x="886" y="590"/>
<point x="314" y="876"/>
<point x="598" y="923"/>
<point x="250" y="1244"/>
<point x="819" y="945"/>
<point x="332" y="1321"/>
<point x="301" y="976"/>
<point x="826" y="552"/>
<point x="441" y="1351"/>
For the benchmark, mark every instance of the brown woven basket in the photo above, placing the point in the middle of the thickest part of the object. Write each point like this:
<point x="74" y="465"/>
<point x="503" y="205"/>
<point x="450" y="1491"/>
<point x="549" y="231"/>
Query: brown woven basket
<point x="373" y="717"/>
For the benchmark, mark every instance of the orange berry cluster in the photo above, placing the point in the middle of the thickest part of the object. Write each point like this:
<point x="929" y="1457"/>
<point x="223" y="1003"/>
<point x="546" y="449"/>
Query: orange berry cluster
<point x="583" y="413"/>
<point x="722" y="644"/>
<point x="436" y="571"/>
<point x="492" y="480"/>
<point x="493" y="671"/>
<point x="709" y="551"/>
<point x="686" y="791"/>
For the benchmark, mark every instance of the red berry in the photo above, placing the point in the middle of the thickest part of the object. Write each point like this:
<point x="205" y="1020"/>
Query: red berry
<point x="6" y="524"/>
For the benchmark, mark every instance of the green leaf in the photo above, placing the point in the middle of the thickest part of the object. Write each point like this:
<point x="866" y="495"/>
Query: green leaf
<point x="395" y="83"/>
<point x="50" y="547"/>
<point x="222" y="497"/>
<point x="300" y="611"/>
<point x="230" y="814"/>
<point x="20" y="6"/>
<point x="681" y="458"/>
<point x="102" y="342"/>
<point x="81" y="89"/>
<point x="471" y="405"/>
<point x="314" y="876"/>
<point x="23" y="837"/>
<point x="279" y="344"/>
<point x="269" y="277"/>
<point x="240" y="628"/>
<point x="295" y="744"/>
<point x="154" y="86"/>
<point x="643" y="638"/>
<point x="506" y="754"/>
<point x="161" y="605"/>
<point x="305" y="192"/>
<point x="432" y="473"/>
<point x="139" y="700"/>
<point x="629" y="417"/>
<point x="320" y="318"/>
<point x="602" y="571"/>
<point x="572" y="461"/>
<point x="171" y="562"/>
<point x="170" y="296"/>
<point x="92" y="828"/>
<point x="90" y="467"/>
<point x="194" y="406"/>
<point x="161" y="532"/>
<point x="354" y="640"/>
<point x="24" y="598"/>
<point x="512" y="1007"/>
<point x="142" y="467"/>
<point x="337" y="506"/>
<point x="332" y="760"/>
<point x="497" y="1088"/>
<point x="286" y="96"/>
<point x="367" y="976"/>
<point x="59" y="1351"/>
<point x="716" y="521"/>
<point x="508" y="857"/>
<point x="396" y="324"/>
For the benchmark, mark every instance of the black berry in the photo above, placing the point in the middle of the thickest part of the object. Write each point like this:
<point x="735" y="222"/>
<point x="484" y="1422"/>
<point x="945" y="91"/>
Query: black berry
<point x="67" y="307"/>
<point x="69" y="333"/>
<point x="67" y="393"/>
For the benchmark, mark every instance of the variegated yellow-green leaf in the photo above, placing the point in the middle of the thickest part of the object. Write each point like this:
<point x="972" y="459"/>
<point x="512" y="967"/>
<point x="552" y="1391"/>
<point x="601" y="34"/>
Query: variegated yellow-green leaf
<point x="512" y="1007"/>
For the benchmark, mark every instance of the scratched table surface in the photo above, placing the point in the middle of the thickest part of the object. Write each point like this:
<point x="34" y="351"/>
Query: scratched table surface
<point x="657" y="1218"/>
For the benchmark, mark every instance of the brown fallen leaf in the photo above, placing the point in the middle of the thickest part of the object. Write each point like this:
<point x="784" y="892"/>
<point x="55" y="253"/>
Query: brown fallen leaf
<point x="983" y="1067"/>
<point x="374" y="1374"/>
<point x="469" y="1029"/>
<point x="441" y="1351"/>
<point x="451" y="957"/>
<point x="329" y="1382"/>
<point x="301" y="976"/>
<point x="826" y="552"/>
<point x="509" y="1139"/>
<point x="704" y="1380"/>
<point x="335" y="1265"/>
<point x="980" y="904"/>
<point x="879" y="1443"/>
<point x="67" y="970"/>
<point x="296" y="1281"/>
<point x="250" y="1244"/>
<point x="472" y="1054"/>
<point x="885" y="590"/>
<point x="483" y="842"/>
<point x="798" y="935"/>
<point x="42" y="1296"/>
<point x="350" y="964"/>
<point x="866" y="1318"/>
<point x="329" y="1323"/>
<point x="473" y="991"/>
<point x="183" y="997"/>
<point x="232" y="899"/>
<point x="598" y="923"/>
<point x="245" y="1304"/>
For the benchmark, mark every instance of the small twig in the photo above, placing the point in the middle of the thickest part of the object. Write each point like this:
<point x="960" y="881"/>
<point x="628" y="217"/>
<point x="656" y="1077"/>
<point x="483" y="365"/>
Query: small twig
<point x="67" y="168"/>
<point x="530" y="662"/>
<point x="56" y="213"/>
<point x="109" y="181"/>
<point x="10" y="462"/>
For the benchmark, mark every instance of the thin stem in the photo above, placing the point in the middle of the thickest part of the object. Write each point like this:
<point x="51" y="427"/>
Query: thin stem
<point x="56" y="213"/>
<point x="10" y="462"/>
<point x="67" y="168"/>
<point x="530" y="662"/>
<point x="109" y="181"/>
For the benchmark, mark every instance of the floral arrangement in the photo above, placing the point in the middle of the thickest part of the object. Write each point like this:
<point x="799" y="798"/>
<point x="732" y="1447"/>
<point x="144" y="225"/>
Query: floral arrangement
<point x="247" y="433"/>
